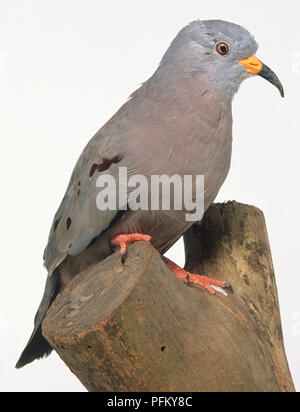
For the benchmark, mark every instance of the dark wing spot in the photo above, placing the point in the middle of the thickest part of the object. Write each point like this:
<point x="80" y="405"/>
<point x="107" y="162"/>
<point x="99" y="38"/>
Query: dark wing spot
<point x="68" y="223"/>
<point x="93" y="169"/>
<point x="56" y="224"/>
<point x="104" y="165"/>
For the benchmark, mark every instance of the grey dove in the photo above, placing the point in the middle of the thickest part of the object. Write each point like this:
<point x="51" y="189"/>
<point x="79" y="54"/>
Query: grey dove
<point x="179" y="122"/>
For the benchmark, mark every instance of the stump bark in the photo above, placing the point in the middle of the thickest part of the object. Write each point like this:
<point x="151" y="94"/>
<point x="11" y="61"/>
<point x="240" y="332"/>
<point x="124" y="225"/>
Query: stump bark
<point x="135" y="327"/>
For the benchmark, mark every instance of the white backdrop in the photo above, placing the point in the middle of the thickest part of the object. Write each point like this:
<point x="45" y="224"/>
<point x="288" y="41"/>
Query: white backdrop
<point x="65" y="67"/>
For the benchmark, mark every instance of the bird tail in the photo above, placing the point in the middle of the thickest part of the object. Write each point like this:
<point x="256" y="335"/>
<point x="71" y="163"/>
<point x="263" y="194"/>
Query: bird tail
<point x="37" y="346"/>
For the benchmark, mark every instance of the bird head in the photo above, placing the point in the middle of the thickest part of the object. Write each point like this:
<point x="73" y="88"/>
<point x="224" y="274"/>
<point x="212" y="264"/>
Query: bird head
<point x="223" y="52"/>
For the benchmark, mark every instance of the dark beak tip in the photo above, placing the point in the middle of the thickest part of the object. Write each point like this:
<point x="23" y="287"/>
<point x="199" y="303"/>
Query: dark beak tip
<point x="281" y="91"/>
<point x="271" y="77"/>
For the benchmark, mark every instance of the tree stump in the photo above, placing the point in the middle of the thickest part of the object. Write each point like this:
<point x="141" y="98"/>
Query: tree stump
<point x="135" y="327"/>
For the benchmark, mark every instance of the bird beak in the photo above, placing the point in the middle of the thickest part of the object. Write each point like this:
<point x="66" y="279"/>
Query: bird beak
<point x="255" y="66"/>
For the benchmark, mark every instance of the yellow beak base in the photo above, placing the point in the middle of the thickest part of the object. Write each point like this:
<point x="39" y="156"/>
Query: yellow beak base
<point x="253" y="65"/>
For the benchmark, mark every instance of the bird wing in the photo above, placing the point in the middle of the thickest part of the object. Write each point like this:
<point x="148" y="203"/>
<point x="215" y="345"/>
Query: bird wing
<point x="78" y="220"/>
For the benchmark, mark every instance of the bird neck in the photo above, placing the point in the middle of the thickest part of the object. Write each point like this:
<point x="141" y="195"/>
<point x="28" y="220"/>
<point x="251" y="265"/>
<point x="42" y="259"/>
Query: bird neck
<point x="174" y="87"/>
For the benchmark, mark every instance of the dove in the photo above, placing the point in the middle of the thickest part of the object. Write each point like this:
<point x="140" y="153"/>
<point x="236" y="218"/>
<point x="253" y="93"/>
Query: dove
<point x="179" y="122"/>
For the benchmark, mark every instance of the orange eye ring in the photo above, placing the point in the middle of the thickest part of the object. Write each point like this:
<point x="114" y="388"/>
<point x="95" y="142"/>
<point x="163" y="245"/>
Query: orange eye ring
<point x="222" y="48"/>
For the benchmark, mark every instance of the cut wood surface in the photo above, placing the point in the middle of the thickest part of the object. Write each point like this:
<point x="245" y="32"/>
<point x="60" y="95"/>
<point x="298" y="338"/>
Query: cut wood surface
<point x="135" y="327"/>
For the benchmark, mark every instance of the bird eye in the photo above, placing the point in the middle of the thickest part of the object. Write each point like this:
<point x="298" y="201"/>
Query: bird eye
<point x="222" y="48"/>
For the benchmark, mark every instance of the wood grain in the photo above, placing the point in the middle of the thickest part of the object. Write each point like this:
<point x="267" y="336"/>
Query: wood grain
<point x="135" y="327"/>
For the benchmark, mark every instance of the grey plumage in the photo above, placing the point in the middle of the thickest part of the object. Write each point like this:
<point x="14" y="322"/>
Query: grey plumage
<point x="177" y="122"/>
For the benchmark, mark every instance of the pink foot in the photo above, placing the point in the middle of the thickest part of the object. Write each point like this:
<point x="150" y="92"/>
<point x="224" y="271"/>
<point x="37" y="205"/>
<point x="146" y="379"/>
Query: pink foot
<point x="209" y="284"/>
<point x="125" y="239"/>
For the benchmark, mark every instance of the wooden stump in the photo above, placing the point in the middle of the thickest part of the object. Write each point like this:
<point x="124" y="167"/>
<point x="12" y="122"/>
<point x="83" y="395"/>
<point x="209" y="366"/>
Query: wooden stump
<point x="135" y="327"/>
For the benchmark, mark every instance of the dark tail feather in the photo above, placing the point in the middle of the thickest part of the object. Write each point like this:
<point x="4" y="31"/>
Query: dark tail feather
<point x="37" y="346"/>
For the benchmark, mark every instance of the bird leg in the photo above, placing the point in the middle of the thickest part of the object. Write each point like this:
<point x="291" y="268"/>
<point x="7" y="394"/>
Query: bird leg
<point x="209" y="284"/>
<point x="125" y="239"/>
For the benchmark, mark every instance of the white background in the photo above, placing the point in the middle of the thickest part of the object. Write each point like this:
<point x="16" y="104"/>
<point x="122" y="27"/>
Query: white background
<point x="65" y="67"/>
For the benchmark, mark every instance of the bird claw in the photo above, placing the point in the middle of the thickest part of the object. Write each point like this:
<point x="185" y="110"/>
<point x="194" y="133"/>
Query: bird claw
<point x="227" y="286"/>
<point x="219" y="289"/>
<point x="123" y="257"/>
